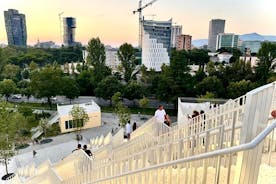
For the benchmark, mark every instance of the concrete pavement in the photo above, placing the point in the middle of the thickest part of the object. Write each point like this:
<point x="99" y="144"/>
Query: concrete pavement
<point x="62" y="145"/>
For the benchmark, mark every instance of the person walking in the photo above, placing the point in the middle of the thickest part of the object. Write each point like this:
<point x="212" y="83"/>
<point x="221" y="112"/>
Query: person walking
<point x="160" y="119"/>
<point x="160" y="114"/>
<point x="168" y="120"/>
<point x="128" y="130"/>
<point x="134" y="126"/>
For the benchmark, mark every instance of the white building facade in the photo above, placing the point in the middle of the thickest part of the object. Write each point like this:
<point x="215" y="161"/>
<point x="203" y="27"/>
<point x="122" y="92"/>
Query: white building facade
<point x="156" y="44"/>
<point x="111" y="58"/>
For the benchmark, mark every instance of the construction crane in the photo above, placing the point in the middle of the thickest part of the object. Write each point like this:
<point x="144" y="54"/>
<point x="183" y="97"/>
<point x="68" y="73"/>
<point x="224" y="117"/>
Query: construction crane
<point x="139" y="10"/>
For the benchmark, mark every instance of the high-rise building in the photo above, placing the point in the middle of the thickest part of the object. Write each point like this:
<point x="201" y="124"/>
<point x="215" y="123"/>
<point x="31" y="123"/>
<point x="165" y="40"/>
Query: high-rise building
<point x="183" y="42"/>
<point x="227" y="40"/>
<point x="15" y="28"/>
<point x="156" y="43"/>
<point x="176" y="30"/>
<point x="111" y="58"/>
<point x="216" y="26"/>
<point x="251" y="46"/>
<point x="69" y="31"/>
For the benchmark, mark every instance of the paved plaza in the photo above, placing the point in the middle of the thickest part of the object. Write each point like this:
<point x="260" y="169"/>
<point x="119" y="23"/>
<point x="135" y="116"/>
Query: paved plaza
<point x="62" y="145"/>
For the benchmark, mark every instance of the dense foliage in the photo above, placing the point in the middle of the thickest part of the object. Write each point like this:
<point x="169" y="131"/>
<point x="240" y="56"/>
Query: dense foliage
<point x="37" y="72"/>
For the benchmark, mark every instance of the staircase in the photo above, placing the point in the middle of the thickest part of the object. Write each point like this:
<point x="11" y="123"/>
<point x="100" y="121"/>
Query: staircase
<point x="224" y="145"/>
<point x="51" y="120"/>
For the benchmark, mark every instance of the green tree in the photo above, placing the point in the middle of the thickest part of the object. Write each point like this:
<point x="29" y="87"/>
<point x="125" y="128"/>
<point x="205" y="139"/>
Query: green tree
<point x="80" y="117"/>
<point x="7" y="87"/>
<point x="25" y="74"/>
<point x="96" y="57"/>
<point x="210" y="84"/>
<point x="236" y="89"/>
<point x="210" y="68"/>
<point x="85" y="82"/>
<point x="96" y="52"/>
<point x="43" y="126"/>
<point x="70" y="88"/>
<point x="116" y="98"/>
<point x="122" y="112"/>
<point x="47" y="83"/>
<point x="11" y="122"/>
<point x="175" y="79"/>
<point x="199" y="57"/>
<point x="133" y="90"/>
<point x="144" y="103"/>
<point x="266" y="55"/>
<point x="126" y="55"/>
<point x="11" y="72"/>
<point x="33" y="66"/>
<point x="208" y="95"/>
<point x="25" y="110"/>
<point x="108" y="87"/>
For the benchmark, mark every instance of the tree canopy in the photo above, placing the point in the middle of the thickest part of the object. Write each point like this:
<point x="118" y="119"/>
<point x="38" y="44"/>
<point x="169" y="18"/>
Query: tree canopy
<point x="47" y="82"/>
<point x="126" y="55"/>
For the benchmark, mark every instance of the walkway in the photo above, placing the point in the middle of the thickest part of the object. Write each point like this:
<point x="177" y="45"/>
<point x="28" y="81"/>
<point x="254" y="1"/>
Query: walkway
<point x="63" y="145"/>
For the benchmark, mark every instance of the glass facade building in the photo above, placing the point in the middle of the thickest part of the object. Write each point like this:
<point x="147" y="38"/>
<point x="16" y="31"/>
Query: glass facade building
<point x="15" y="28"/>
<point x="159" y="30"/>
<point x="227" y="40"/>
<point x="69" y="31"/>
<point x="251" y="46"/>
<point x="156" y="43"/>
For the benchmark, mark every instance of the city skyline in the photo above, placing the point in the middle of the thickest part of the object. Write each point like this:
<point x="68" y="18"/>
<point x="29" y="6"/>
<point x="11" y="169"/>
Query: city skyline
<point x="98" y="18"/>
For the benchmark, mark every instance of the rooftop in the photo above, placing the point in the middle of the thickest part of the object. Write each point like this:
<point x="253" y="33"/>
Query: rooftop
<point x="64" y="110"/>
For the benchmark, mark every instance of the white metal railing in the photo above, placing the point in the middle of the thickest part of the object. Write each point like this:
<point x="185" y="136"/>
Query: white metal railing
<point x="222" y="126"/>
<point x="145" y="128"/>
<point x="193" y="169"/>
<point x="178" y="133"/>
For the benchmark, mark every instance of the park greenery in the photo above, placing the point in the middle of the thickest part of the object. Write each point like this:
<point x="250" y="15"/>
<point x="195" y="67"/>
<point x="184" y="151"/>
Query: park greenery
<point x="38" y="72"/>
<point x="121" y="111"/>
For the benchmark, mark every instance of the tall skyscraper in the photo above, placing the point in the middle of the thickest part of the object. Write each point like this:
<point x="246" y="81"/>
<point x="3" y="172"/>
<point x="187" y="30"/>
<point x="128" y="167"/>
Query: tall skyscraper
<point x="176" y="31"/>
<point x="111" y="58"/>
<point x="216" y="26"/>
<point x="184" y="42"/>
<point x="227" y="40"/>
<point x="15" y="28"/>
<point x="156" y="43"/>
<point x="69" y="31"/>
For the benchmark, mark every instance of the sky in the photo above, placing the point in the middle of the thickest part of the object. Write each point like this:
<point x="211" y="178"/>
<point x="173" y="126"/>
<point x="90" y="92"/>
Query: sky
<point x="113" y="22"/>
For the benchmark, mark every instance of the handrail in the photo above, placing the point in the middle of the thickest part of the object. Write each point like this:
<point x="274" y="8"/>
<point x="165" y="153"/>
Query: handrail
<point x="250" y="145"/>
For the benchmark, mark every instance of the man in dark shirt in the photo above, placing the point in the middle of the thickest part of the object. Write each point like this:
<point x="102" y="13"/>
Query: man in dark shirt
<point x="87" y="151"/>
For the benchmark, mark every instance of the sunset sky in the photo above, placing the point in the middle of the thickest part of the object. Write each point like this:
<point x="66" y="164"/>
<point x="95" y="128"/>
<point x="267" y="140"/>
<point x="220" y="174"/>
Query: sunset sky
<point x="114" y="23"/>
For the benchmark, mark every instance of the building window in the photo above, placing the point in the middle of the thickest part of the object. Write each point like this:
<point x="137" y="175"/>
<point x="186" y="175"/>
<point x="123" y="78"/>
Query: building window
<point x="70" y="124"/>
